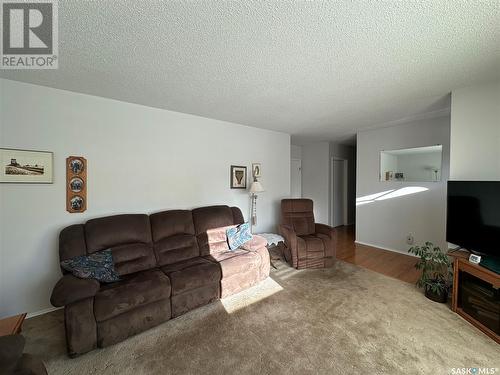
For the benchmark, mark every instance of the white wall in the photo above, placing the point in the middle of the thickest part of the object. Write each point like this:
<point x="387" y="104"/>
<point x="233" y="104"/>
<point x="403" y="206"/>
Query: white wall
<point x="296" y="152"/>
<point x="140" y="159"/>
<point x="388" y="163"/>
<point x="316" y="178"/>
<point x="386" y="223"/>
<point x="475" y="133"/>
<point x="417" y="167"/>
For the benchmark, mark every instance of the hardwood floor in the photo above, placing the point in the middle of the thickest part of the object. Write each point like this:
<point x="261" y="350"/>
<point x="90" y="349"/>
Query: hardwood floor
<point x="389" y="263"/>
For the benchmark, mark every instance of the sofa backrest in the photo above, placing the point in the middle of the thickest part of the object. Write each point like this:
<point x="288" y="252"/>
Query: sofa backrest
<point x="140" y="242"/>
<point x="173" y="236"/>
<point x="128" y="237"/>
<point x="299" y="214"/>
<point x="207" y="219"/>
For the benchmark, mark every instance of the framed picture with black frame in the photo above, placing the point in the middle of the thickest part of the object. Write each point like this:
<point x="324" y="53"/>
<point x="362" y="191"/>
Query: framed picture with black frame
<point x="238" y="177"/>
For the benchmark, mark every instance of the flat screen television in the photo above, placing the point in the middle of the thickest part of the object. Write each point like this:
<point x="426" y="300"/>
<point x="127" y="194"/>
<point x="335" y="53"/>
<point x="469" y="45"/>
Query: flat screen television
<point x="473" y="216"/>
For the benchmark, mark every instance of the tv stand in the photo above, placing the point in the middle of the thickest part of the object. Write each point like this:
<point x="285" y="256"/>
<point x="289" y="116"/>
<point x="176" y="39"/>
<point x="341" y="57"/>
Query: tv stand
<point x="476" y="294"/>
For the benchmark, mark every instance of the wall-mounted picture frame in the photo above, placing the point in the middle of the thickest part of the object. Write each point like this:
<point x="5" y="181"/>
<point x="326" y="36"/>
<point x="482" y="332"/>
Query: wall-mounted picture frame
<point x="238" y="177"/>
<point x="76" y="184"/>
<point x="26" y="166"/>
<point x="256" y="170"/>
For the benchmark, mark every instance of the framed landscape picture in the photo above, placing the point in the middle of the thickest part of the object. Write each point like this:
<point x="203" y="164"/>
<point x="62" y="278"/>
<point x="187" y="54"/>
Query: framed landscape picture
<point x="26" y="166"/>
<point x="238" y="177"/>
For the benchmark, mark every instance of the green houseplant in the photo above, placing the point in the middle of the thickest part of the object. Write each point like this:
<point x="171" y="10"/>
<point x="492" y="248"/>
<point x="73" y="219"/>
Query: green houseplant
<point x="436" y="271"/>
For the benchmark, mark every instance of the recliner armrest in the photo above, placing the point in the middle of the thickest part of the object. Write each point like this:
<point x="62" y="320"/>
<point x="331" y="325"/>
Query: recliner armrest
<point x="71" y="289"/>
<point x="324" y="229"/>
<point x="289" y="234"/>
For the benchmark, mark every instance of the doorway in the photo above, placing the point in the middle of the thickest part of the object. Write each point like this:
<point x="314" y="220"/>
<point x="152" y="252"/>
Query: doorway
<point x="339" y="185"/>
<point x="296" y="178"/>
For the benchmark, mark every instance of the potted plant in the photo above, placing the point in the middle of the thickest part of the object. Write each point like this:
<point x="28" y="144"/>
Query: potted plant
<point x="436" y="271"/>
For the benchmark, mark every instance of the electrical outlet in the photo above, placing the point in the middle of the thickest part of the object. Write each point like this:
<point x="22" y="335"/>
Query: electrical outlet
<point x="410" y="239"/>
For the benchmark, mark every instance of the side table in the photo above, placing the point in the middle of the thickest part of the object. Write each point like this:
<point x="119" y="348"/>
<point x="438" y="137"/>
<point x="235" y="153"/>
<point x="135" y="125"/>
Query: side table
<point x="274" y="241"/>
<point x="11" y="325"/>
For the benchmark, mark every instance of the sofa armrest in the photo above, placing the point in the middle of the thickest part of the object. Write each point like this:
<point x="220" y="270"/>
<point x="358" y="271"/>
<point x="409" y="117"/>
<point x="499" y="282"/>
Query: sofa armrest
<point x="256" y="243"/>
<point x="324" y="229"/>
<point x="71" y="289"/>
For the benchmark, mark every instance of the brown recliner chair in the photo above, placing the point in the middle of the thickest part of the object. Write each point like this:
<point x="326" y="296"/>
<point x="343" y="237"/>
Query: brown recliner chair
<point x="307" y="244"/>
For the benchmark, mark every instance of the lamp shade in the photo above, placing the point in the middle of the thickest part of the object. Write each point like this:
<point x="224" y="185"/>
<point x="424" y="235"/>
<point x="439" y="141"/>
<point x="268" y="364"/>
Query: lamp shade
<point x="256" y="187"/>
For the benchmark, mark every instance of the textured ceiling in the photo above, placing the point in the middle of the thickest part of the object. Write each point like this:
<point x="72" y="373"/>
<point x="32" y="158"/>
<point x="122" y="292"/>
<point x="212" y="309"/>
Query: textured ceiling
<point x="316" y="70"/>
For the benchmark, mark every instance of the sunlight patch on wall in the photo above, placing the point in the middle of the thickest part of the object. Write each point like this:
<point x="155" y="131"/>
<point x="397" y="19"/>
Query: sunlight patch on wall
<point x="389" y="194"/>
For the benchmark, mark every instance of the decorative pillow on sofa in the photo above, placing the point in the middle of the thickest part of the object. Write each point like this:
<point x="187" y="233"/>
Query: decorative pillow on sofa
<point x="99" y="266"/>
<point x="237" y="236"/>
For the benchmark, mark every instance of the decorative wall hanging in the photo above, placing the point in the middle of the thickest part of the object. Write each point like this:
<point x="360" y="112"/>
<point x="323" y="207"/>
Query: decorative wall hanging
<point x="238" y="177"/>
<point x="76" y="184"/>
<point x="25" y="166"/>
<point x="256" y="170"/>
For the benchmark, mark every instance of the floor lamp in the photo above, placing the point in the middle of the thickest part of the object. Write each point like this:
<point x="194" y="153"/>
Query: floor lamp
<point x="255" y="188"/>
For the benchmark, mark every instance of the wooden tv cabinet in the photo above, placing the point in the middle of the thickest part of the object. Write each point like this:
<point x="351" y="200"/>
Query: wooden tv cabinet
<point x="461" y="266"/>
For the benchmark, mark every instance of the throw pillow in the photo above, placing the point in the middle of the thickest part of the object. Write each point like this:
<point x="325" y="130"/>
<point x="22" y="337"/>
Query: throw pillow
<point x="239" y="235"/>
<point x="99" y="266"/>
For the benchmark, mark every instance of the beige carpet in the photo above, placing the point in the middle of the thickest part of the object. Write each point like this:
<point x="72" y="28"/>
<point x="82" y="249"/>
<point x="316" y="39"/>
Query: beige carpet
<point x="345" y="320"/>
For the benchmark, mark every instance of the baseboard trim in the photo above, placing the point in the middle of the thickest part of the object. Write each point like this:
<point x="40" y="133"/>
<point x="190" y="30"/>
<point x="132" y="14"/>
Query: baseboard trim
<point x="42" y="312"/>
<point x="385" y="248"/>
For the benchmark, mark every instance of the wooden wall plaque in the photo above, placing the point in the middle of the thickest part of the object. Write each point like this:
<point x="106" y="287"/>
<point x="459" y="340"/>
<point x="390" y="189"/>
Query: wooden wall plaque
<point x="76" y="184"/>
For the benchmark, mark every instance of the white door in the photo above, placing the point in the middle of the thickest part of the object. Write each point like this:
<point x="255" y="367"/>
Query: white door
<point x="338" y="192"/>
<point x="296" y="178"/>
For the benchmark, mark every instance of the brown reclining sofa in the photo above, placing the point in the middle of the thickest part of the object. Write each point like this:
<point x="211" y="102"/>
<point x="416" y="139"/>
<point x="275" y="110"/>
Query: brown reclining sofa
<point x="170" y="263"/>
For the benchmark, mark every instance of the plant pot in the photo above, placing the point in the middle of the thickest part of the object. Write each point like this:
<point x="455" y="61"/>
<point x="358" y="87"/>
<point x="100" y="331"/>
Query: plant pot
<point x="441" y="296"/>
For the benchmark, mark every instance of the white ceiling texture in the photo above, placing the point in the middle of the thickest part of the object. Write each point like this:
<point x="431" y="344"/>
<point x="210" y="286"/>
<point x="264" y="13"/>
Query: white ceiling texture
<point x="317" y="70"/>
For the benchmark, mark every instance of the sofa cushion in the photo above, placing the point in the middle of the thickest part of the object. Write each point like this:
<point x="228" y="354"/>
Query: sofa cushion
<point x="211" y="217"/>
<point x="169" y="223"/>
<point x="238" y="261"/>
<point x="133" y="258"/>
<point x="173" y="236"/>
<point x="176" y="248"/>
<point x="191" y="274"/>
<point x="132" y="322"/>
<point x="237" y="216"/>
<point x="72" y="242"/>
<point x="128" y="237"/>
<point x="133" y="291"/>
<point x="111" y="231"/>
<point x="214" y="240"/>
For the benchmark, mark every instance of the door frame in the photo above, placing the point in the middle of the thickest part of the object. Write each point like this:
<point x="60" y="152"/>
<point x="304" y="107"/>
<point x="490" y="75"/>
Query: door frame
<point x="345" y="209"/>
